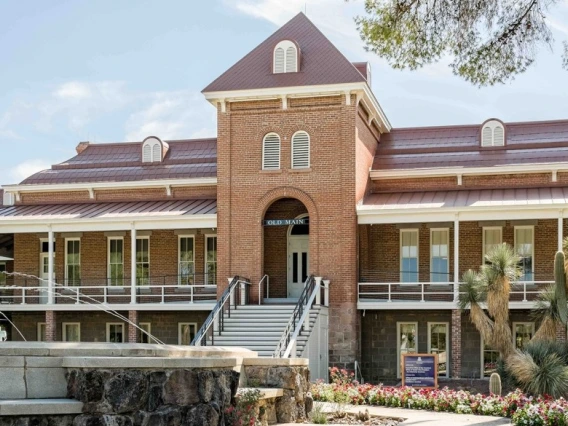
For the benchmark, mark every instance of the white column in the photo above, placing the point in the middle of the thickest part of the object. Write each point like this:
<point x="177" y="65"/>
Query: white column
<point x="318" y="290"/>
<point x="560" y="230"/>
<point x="326" y="293"/>
<point x="456" y="257"/>
<point x="132" y="264"/>
<point x="50" y="283"/>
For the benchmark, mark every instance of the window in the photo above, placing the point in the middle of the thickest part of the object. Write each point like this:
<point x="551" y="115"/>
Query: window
<point x="271" y="152"/>
<point x="285" y="57"/>
<point x="407" y="341"/>
<point x="186" y="261"/>
<point x="210" y="260"/>
<point x="493" y="133"/>
<point x="3" y="334"/>
<point x="143" y="337"/>
<point x="152" y="150"/>
<point x="73" y="262"/>
<point x="41" y="327"/>
<point x="489" y="359"/>
<point x="409" y="256"/>
<point x="491" y="238"/>
<point x="523" y="332"/>
<point x="115" y="332"/>
<point x="186" y="332"/>
<point x="439" y="255"/>
<point x="438" y="343"/>
<point x="71" y="332"/>
<point x="116" y="261"/>
<point x="2" y="273"/>
<point x="300" y="150"/>
<point x="143" y="261"/>
<point x="524" y="247"/>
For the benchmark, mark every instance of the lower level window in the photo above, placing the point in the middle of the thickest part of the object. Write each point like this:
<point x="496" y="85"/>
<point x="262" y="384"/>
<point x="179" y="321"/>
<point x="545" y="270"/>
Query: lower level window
<point x="71" y="332"/>
<point x="3" y="334"/>
<point x="407" y="340"/>
<point x="115" y="332"/>
<point x="523" y="332"/>
<point x="186" y="332"/>
<point x="211" y="260"/>
<point x="438" y="344"/>
<point x="2" y="273"/>
<point x="489" y="359"/>
<point x="144" y="337"/>
<point x="41" y="332"/>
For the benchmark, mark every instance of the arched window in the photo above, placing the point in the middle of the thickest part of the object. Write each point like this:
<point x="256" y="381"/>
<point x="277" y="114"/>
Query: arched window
<point x="493" y="133"/>
<point x="153" y="150"/>
<point x="285" y="57"/>
<point x="271" y="152"/>
<point x="300" y="150"/>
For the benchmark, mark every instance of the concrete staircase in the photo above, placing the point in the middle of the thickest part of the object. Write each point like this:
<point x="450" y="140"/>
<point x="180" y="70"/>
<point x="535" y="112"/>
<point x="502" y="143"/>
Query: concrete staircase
<point x="259" y="328"/>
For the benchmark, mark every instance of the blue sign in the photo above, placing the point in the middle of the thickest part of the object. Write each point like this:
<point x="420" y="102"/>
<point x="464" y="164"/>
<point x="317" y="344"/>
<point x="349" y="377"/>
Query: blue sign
<point x="420" y="370"/>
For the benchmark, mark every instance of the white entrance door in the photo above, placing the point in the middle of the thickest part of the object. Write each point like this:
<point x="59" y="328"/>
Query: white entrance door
<point x="298" y="264"/>
<point x="44" y="275"/>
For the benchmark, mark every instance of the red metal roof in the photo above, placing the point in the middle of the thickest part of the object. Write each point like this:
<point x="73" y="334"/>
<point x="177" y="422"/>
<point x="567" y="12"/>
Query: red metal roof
<point x="321" y="62"/>
<point x="459" y="146"/>
<point x="121" y="162"/>
<point x="466" y="199"/>
<point x="171" y="208"/>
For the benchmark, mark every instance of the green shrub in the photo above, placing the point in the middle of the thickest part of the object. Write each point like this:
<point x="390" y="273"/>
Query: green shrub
<point x="317" y="415"/>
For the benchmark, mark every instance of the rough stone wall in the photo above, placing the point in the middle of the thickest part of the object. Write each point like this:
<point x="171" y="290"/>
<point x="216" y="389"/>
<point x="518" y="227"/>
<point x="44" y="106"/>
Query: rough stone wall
<point x="152" y="397"/>
<point x="327" y="189"/>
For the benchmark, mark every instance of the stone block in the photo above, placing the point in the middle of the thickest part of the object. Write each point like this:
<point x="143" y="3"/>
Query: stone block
<point x="181" y="388"/>
<point x="11" y="361"/>
<point x="46" y="383"/>
<point x="126" y="391"/>
<point x="44" y="361"/>
<point x="45" y="407"/>
<point x="13" y="385"/>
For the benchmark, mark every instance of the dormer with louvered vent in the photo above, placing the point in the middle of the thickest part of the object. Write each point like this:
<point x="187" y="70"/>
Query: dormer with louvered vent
<point x="492" y="133"/>
<point x="153" y="150"/>
<point x="286" y="57"/>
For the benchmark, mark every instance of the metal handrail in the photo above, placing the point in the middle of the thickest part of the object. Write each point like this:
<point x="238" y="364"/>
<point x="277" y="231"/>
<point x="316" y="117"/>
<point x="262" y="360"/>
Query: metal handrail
<point x="260" y="288"/>
<point x="298" y="312"/>
<point x="357" y="368"/>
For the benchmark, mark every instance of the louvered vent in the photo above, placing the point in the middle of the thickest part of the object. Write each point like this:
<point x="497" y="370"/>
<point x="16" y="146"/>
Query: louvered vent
<point x="498" y="136"/>
<point x="300" y="150"/>
<point x="487" y="136"/>
<point x="279" y="60"/>
<point x="271" y="152"/>
<point x="291" y="59"/>
<point x="147" y="153"/>
<point x="157" y="152"/>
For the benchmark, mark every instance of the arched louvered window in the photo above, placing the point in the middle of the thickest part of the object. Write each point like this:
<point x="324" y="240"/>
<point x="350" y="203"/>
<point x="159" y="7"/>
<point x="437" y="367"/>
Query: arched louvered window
<point x="153" y="150"/>
<point x="271" y="152"/>
<point x="300" y="150"/>
<point x="157" y="152"/>
<point x="285" y="57"/>
<point x="147" y="153"/>
<point x="493" y="133"/>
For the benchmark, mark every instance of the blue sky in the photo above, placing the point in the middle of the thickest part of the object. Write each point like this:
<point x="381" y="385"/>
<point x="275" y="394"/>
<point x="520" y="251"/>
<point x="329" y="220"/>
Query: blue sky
<point x="106" y="71"/>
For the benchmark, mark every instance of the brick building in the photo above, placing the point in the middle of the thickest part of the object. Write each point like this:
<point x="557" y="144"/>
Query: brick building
<point x="390" y="218"/>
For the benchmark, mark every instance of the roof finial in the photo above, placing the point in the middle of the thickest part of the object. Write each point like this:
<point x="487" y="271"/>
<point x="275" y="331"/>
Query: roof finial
<point x="306" y="8"/>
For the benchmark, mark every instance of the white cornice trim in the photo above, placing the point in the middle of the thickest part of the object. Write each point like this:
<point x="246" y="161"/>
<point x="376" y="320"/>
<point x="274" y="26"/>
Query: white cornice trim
<point x="95" y="186"/>
<point x="553" y="168"/>
<point x="303" y="91"/>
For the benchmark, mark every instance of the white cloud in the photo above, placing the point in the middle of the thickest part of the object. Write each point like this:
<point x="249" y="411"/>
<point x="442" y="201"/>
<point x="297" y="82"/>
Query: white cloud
<point x="73" y="90"/>
<point x="27" y="168"/>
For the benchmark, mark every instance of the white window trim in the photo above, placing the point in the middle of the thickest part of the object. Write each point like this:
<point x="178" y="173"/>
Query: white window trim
<point x="181" y="324"/>
<point x="179" y="257"/>
<point x="402" y="231"/>
<point x="205" y="258"/>
<point x="66" y="255"/>
<point x="492" y="125"/>
<point x="46" y="254"/>
<point x="447" y="231"/>
<point x="38" y="330"/>
<point x="398" y="353"/>
<point x="531" y="227"/>
<point x="284" y="44"/>
<point x="489" y="228"/>
<point x="109" y="239"/>
<point x="482" y="371"/>
<point x="148" y="330"/>
<point x="279" y="151"/>
<point x="108" y="324"/>
<point x="309" y="151"/>
<point x="152" y="144"/>
<point x="64" y="330"/>
<point x="149" y="264"/>
<point x="521" y="323"/>
<point x="447" y="324"/>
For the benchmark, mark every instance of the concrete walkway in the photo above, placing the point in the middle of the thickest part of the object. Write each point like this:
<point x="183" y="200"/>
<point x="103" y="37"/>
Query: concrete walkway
<point x="424" y="418"/>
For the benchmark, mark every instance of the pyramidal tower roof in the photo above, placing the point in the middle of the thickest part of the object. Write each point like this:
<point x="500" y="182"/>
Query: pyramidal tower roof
<point x="321" y="62"/>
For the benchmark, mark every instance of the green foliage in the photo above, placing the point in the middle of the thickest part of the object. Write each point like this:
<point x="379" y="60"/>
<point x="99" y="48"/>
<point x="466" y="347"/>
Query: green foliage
<point x="502" y="263"/>
<point x="488" y="41"/>
<point x="546" y="306"/>
<point x="495" y="384"/>
<point x="560" y="286"/>
<point x="317" y="416"/>
<point x="472" y="290"/>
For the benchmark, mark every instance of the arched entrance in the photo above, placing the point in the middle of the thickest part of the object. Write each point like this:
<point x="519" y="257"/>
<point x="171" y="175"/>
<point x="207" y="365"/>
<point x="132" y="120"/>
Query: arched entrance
<point x="286" y="249"/>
